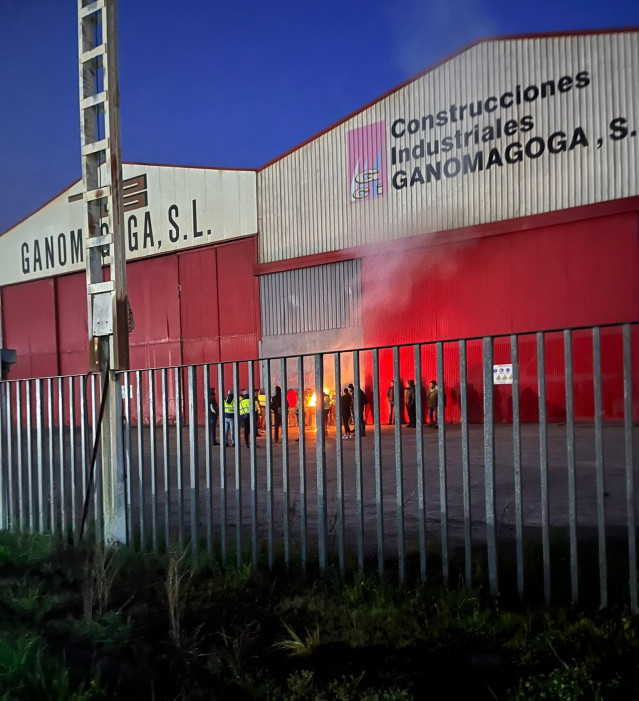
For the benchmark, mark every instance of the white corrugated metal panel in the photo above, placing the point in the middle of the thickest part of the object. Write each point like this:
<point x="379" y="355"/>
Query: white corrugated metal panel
<point x="575" y="85"/>
<point x="167" y="208"/>
<point x="320" y="298"/>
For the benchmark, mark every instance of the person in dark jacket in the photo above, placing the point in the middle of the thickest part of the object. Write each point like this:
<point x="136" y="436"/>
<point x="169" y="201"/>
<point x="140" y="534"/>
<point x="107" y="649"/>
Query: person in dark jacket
<point x="432" y="401"/>
<point x="346" y="406"/>
<point x="362" y="407"/>
<point x="390" y="395"/>
<point x="214" y="411"/>
<point x="276" y="408"/>
<point x="409" y="400"/>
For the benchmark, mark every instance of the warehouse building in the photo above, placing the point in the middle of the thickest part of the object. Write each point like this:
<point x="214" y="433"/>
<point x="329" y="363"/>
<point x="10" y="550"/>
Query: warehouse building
<point x="496" y="193"/>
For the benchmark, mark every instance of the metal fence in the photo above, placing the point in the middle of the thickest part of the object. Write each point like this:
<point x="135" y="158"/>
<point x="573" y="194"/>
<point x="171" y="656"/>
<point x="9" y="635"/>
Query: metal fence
<point x="486" y="483"/>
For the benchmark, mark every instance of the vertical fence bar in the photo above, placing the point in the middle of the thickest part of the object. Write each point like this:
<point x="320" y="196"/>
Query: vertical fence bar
<point x="441" y="444"/>
<point x="320" y="460"/>
<point x="141" y="475"/>
<point x="465" y="453"/>
<point x="599" y="466"/>
<point x="269" y="459"/>
<point x="209" y="440"/>
<point x="165" y="460"/>
<point x="194" y="477"/>
<point x="238" y="467"/>
<point x="20" y="465"/>
<point x="4" y="510"/>
<point x="519" y="519"/>
<point x="223" y="444"/>
<point x="128" y="452"/>
<point x="51" y="455"/>
<point x="253" y="424"/>
<point x="543" y="462"/>
<point x="379" y="485"/>
<point x="359" y="479"/>
<point x="39" y="456"/>
<point x="419" y="435"/>
<point x="178" y="456"/>
<point x="302" y="465"/>
<point x="73" y="471"/>
<point x="339" y="464"/>
<point x="286" y="523"/>
<point x="320" y="437"/>
<point x="153" y="460"/>
<point x="29" y="412"/>
<point x="489" y="465"/>
<point x="8" y="421"/>
<point x="63" y="491"/>
<point x="399" y="466"/>
<point x="97" y="476"/>
<point x="629" y="455"/>
<point x="570" y="466"/>
<point x="84" y="421"/>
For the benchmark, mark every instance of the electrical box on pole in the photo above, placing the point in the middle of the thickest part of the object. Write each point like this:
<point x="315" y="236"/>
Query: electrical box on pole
<point x="103" y="241"/>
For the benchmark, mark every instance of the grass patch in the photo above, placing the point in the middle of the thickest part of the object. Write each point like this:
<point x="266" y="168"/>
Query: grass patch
<point x="88" y="624"/>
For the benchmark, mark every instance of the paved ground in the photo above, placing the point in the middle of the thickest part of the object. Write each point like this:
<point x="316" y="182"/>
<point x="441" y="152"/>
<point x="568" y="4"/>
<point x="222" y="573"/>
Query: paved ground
<point x="586" y="502"/>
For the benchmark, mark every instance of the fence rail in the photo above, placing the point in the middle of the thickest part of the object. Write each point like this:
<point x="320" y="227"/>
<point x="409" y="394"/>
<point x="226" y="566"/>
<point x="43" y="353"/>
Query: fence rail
<point x="548" y="456"/>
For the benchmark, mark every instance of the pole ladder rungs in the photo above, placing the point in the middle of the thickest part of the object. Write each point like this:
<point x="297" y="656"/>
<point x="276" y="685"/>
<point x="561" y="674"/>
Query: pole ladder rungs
<point x="91" y="9"/>
<point x="98" y="241"/>
<point x="95" y="147"/>
<point x="100" y="194"/>
<point x="93" y="54"/>
<point x="94" y="100"/>
<point x="98" y="288"/>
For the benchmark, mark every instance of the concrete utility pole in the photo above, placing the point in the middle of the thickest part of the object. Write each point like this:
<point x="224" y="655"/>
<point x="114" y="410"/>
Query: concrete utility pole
<point x="103" y="239"/>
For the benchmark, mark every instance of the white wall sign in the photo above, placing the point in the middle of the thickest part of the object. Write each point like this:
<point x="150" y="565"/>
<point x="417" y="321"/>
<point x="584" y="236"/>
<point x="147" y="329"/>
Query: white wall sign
<point x="502" y="374"/>
<point x="506" y="129"/>
<point x="166" y="208"/>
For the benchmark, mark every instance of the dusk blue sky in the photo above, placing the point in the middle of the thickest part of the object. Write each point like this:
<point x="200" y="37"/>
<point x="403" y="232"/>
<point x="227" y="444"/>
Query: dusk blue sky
<point x="231" y="84"/>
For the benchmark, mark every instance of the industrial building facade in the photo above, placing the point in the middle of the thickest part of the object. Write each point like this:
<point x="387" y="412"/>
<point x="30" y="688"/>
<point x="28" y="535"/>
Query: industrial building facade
<point x="496" y="193"/>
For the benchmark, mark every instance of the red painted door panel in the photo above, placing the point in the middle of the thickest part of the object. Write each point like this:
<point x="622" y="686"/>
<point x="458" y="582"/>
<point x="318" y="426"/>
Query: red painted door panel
<point x="29" y="324"/>
<point x="71" y="295"/>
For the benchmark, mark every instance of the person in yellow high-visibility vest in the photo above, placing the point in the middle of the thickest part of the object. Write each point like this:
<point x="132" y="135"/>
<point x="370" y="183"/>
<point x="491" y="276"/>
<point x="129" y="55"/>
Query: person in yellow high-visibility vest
<point x="229" y="419"/>
<point x="245" y="416"/>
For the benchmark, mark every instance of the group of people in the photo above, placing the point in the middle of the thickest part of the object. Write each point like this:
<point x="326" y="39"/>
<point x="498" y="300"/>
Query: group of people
<point x="347" y="410"/>
<point x="228" y="406"/>
<point x="432" y="402"/>
<point x="346" y="404"/>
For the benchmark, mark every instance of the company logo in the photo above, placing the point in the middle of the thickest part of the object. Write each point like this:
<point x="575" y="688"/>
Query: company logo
<point x="367" y="161"/>
<point x="134" y="195"/>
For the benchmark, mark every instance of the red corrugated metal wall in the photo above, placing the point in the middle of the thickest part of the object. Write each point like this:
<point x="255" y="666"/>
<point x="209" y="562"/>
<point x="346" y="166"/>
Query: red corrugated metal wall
<point x="574" y="274"/>
<point x="71" y="295"/>
<point x="581" y="273"/>
<point x="199" y="314"/>
<point x="29" y="325"/>
<point x="239" y="304"/>
<point x="219" y="307"/>
<point x="152" y="287"/>
<point x="583" y="381"/>
<point x="179" y="317"/>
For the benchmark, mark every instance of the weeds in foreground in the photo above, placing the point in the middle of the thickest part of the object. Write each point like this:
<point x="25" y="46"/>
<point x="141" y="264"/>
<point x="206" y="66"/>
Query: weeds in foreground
<point x="370" y="640"/>
<point x="29" y="673"/>
<point x="19" y="549"/>
<point x="238" y="642"/>
<point x="303" y="686"/>
<point x="100" y="570"/>
<point x="178" y="579"/>
<point x="299" y="646"/>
